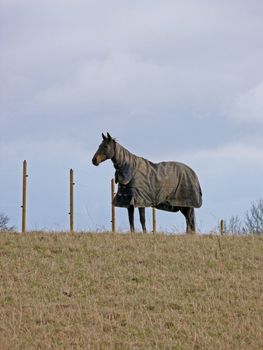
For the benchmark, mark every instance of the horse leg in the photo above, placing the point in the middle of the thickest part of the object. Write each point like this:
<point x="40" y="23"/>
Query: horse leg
<point x="189" y="215"/>
<point x="131" y="217"/>
<point x="142" y="218"/>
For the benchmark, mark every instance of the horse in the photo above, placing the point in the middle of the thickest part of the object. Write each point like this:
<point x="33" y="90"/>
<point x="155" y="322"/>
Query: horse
<point x="170" y="186"/>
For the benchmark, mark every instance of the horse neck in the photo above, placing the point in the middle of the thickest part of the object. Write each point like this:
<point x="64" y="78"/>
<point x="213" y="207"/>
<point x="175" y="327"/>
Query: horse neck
<point x="123" y="158"/>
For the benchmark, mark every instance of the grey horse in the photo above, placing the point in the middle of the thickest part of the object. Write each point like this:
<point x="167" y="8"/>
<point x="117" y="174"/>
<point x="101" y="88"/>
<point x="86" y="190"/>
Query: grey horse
<point x="170" y="186"/>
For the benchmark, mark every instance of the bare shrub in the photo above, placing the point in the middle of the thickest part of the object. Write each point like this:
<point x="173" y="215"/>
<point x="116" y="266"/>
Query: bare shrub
<point x="4" y="220"/>
<point x="254" y="218"/>
<point x="234" y="226"/>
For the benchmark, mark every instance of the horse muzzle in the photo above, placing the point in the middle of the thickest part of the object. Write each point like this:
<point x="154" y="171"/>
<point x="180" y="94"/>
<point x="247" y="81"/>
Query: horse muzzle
<point x="97" y="159"/>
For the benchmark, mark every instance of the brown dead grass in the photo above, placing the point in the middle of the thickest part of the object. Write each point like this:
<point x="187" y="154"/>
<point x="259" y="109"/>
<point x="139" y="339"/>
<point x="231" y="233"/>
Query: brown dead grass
<point x="104" y="291"/>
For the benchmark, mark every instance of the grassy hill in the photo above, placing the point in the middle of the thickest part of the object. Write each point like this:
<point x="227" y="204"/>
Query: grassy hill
<point x="105" y="291"/>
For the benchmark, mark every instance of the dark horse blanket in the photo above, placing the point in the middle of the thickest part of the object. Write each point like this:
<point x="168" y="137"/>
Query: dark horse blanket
<point x="165" y="185"/>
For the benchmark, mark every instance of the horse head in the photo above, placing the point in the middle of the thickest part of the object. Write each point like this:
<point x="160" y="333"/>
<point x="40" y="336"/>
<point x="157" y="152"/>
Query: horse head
<point x="105" y="151"/>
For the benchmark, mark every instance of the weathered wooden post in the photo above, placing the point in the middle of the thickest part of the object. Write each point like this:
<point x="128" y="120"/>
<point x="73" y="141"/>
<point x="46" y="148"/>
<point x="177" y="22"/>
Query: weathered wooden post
<point x="23" y="206"/>
<point x="71" y="200"/>
<point x="154" y="220"/>
<point x="222" y="227"/>
<point x="113" y="218"/>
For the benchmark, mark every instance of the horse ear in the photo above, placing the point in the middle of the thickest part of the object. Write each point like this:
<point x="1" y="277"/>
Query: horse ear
<point x="109" y="137"/>
<point x="103" y="136"/>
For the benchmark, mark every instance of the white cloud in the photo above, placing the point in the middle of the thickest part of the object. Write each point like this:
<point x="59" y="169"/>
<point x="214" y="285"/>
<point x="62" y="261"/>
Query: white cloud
<point x="239" y="152"/>
<point x="248" y="106"/>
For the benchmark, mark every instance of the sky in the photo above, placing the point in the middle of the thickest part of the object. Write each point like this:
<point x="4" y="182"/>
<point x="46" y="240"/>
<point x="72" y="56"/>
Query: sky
<point x="171" y="80"/>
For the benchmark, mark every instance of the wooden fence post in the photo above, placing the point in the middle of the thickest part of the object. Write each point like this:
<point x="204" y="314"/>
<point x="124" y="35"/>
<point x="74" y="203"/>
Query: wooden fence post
<point x="154" y="220"/>
<point x="71" y="200"/>
<point x="222" y="227"/>
<point x="23" y="206"/>
<point x="113" y="218"/>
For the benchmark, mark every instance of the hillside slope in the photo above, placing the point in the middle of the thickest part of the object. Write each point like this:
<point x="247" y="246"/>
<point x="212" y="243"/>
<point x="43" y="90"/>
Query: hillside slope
<point x="105" y="291"/>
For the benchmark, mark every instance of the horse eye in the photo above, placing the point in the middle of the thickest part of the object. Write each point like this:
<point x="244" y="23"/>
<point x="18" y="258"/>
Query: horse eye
<point x="105" y="147"/>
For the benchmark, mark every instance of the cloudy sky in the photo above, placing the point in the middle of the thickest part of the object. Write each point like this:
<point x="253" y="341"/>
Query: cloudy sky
<point x="171" y="80"/>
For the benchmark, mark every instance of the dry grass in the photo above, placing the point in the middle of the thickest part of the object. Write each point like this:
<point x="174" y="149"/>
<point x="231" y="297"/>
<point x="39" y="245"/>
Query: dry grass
<point x="104" y="291"/>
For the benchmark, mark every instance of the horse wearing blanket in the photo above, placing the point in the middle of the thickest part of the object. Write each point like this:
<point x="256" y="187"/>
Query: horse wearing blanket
<point x="170" y="186"/>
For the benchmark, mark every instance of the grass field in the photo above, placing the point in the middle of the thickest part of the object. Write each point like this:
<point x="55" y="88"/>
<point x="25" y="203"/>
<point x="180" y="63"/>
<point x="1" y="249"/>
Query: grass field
<point x="105" y="291"/>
